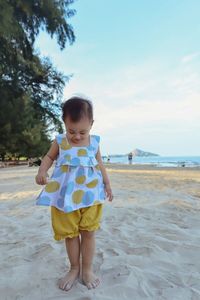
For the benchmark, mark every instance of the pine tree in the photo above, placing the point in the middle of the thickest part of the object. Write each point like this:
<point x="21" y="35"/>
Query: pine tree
<point x="30" y="87"/>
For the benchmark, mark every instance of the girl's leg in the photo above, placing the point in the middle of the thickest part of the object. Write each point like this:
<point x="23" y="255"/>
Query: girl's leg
<point x="73" y="251"/>
<point x="87" y="251"/>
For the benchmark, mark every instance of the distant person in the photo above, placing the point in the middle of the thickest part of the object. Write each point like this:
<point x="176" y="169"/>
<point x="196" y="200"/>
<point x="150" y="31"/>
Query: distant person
<point x="76" y="191"/>
<point x="30" y="162"/>
<point x="34" y="162"/>
<point x="108" y="158"/>
<point x="130" y="158"/>
<point x="37" y="162"/>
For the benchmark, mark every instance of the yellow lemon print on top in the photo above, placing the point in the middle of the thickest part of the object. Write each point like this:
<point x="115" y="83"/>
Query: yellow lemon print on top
<point x="92" y="183"/>
<point x="80" y="179"/>
<point x="82" y="152"/>
<point x="52" y="187"/>
<point x="97" y="167"/>
<point x="68" y="157"/>
<point x="77" y="196"/>
<point x="65" y="145"/>
<point x="64" y="169"/>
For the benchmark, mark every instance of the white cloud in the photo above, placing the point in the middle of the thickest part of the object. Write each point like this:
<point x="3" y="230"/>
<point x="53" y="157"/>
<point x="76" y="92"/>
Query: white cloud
<point x="190" y="57"/>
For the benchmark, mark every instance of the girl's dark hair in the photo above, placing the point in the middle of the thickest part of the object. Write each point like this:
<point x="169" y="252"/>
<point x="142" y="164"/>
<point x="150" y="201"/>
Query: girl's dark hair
<point x="76" y="108"/>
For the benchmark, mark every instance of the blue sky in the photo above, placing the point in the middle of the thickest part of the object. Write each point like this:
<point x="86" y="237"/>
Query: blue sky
<point x="139" y="62"/>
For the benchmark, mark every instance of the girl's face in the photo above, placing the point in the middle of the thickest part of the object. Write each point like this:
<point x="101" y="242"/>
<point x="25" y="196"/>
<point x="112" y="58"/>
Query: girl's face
<point x="78" y="132"/>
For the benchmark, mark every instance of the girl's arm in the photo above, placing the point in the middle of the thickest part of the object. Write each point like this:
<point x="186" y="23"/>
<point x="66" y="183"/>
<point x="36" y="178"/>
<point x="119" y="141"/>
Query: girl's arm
<point x="105" y="176"/>
<point x="47" y="162"/>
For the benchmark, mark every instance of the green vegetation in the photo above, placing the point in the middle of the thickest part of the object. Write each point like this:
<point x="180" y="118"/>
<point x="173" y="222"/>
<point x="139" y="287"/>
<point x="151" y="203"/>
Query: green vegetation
<point x="30" y="86"/>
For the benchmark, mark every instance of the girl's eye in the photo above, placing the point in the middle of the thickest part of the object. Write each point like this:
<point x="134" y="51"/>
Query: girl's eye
<point x="82" y="133"/>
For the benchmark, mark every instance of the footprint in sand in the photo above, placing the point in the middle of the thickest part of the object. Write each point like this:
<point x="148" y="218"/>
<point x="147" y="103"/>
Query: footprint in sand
<point x="42" y="251"/>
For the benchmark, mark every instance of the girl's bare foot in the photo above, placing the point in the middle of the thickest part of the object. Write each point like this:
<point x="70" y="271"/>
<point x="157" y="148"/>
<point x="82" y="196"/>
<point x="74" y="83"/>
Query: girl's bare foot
<point x="90" y="280"/>
<point x="68" y="280"/>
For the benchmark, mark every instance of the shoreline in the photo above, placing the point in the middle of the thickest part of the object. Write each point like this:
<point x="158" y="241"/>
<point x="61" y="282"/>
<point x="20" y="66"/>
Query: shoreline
<point x="123" y="166"/>
<point x="133" y="167"/>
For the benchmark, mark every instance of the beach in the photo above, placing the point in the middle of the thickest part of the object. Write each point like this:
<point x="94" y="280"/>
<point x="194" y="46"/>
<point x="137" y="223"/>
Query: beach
<point x="148" y="246"/>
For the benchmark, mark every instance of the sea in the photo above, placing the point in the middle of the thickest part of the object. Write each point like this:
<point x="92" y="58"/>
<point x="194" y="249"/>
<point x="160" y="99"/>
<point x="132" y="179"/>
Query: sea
<point x="158" y="161"/>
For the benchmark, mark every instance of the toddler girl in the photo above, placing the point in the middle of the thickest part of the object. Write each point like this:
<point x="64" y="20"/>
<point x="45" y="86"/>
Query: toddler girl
<point x="76" y="190"/>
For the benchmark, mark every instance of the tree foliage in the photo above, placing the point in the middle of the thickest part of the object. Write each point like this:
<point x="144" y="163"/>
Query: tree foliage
<point x="30" y="86"/>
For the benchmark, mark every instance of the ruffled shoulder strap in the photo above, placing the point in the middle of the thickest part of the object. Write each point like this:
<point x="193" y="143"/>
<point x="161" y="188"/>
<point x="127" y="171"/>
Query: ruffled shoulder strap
<point x="95" y="140"/>
<point x="59" y="138"/>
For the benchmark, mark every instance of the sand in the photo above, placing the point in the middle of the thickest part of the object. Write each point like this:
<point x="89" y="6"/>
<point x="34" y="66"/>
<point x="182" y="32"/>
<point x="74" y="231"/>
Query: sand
<point x="148" y="246"/>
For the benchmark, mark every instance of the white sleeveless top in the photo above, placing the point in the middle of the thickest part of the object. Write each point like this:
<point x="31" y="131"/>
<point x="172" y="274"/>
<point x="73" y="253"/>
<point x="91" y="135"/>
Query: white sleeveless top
<point x="76" y="181"/>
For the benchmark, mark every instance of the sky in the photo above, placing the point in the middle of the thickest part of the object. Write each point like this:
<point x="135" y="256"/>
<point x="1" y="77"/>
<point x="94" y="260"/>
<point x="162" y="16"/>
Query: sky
<point x="139" y="63"/>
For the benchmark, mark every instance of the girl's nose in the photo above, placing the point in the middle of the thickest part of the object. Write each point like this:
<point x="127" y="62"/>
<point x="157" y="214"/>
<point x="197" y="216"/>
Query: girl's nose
<point x="77" y="136"/>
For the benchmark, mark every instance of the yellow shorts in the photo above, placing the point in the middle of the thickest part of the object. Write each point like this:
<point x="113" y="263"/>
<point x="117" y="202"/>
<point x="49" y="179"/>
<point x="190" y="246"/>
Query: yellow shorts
<point x="68" y="225"/>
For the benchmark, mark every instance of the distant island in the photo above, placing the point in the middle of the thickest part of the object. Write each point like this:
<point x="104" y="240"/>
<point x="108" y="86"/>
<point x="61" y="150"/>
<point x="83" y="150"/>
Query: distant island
<point x="138" y="152"/>
<point x="135" y="152"/>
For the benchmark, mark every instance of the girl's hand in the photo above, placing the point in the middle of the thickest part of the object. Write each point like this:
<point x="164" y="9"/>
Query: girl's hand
<point x="41" y="178"/>
<point x="108" y="192"/>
